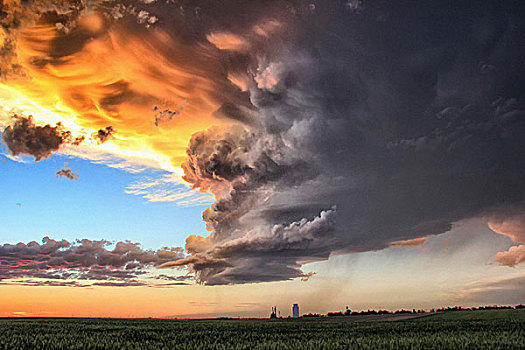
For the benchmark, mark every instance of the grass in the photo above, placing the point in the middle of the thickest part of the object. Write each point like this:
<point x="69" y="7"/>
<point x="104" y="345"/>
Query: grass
<point x="490" y="329"/>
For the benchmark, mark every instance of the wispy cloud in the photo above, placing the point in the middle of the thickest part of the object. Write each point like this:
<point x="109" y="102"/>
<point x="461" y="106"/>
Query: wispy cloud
<point x="499" y="290"/>
<point x="168" y="188"/>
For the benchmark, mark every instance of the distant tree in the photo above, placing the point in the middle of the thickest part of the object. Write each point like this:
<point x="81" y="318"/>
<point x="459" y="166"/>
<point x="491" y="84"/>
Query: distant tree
<point x="402" y="311"/>
<point x="338" y="313"/>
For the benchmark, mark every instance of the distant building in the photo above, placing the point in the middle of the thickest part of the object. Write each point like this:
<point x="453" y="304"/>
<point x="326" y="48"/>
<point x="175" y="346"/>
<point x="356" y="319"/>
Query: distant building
<point x="274" y="312"/>
<point x="295" y="310"/>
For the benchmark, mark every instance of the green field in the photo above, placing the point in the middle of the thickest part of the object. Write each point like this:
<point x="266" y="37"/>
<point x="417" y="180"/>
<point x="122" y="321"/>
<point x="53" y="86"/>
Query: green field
<point x="492" y="329"/>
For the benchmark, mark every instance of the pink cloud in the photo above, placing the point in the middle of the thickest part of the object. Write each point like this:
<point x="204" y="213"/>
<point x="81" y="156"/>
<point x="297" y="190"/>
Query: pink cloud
<point x="512" y="226"/>
<point x="267" y="28"/>
<point x="66" y="263"/>
<point x="512" y="257"/>
<point x="228" y="41"/>
<point x="409" y="243"/>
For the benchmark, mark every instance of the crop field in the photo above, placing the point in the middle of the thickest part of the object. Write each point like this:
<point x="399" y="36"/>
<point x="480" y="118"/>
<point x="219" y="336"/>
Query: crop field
<point x="490" y="329"/>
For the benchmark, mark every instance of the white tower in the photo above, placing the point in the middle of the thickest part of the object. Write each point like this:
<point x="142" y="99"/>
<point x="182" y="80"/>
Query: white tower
<point x="295" y="310"/>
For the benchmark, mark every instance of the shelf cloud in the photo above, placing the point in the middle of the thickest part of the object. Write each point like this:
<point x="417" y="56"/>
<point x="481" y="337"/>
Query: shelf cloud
<point x="367" y="135"/>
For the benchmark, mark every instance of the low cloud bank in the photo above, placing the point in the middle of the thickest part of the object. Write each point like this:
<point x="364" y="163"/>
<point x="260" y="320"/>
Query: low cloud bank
<point x="82" y="263"/>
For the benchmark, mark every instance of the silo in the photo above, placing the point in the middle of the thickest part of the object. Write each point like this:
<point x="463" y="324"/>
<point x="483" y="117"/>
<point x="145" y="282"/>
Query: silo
<point x="295" y="310"/>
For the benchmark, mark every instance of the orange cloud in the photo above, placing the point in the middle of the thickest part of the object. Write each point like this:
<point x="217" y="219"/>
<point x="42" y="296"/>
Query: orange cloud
<point x="513" y="227"/>
<point x="515" y="255"/>
<point x="116" y="78"/>
<point x="267" y="27"/>
<point x="228" y="41"/>
<point x="409" y="243"/>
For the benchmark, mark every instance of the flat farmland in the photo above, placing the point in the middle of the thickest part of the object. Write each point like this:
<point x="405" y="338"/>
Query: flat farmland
<point x="488" y="329"/>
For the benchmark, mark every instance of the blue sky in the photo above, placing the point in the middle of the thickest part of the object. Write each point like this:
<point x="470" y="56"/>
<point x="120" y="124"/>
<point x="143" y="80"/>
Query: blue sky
<point x="95" y="206"/>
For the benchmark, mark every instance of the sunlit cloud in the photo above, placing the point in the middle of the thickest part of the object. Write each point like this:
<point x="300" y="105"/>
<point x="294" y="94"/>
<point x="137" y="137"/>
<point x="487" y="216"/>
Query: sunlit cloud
<point x="510" y="223"/>
<point x="95" y="72"/>
<point x="416" y="242"/>
<point x="85" y="263"/>
<point x="515" y="255"/>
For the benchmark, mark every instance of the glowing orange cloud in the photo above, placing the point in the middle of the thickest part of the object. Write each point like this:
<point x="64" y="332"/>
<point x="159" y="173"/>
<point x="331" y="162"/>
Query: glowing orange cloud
<point x="116" y="78"/>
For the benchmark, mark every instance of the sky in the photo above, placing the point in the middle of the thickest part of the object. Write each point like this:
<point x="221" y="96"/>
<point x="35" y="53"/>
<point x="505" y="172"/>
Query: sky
<point x="185" y="158"/>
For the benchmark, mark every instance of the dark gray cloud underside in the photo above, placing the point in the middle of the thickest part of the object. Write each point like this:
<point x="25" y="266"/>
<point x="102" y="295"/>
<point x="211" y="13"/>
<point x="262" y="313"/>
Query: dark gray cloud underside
<point x="24" y="137"/>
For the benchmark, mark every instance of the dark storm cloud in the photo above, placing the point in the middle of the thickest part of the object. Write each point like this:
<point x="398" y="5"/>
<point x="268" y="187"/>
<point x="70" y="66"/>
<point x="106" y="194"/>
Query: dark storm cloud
<point x="83" y="260"/>
<point x="24" y="137"/>
<point x="358" y="124"/>
<point x="405" y="118"/>
<point x="257" y="250"/>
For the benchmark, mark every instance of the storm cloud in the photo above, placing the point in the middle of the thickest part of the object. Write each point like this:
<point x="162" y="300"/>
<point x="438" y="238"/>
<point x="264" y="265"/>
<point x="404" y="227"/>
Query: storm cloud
<point x="374" y="127"/>
<point x="24" y="137"/>
<point x="347" y="126"/>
